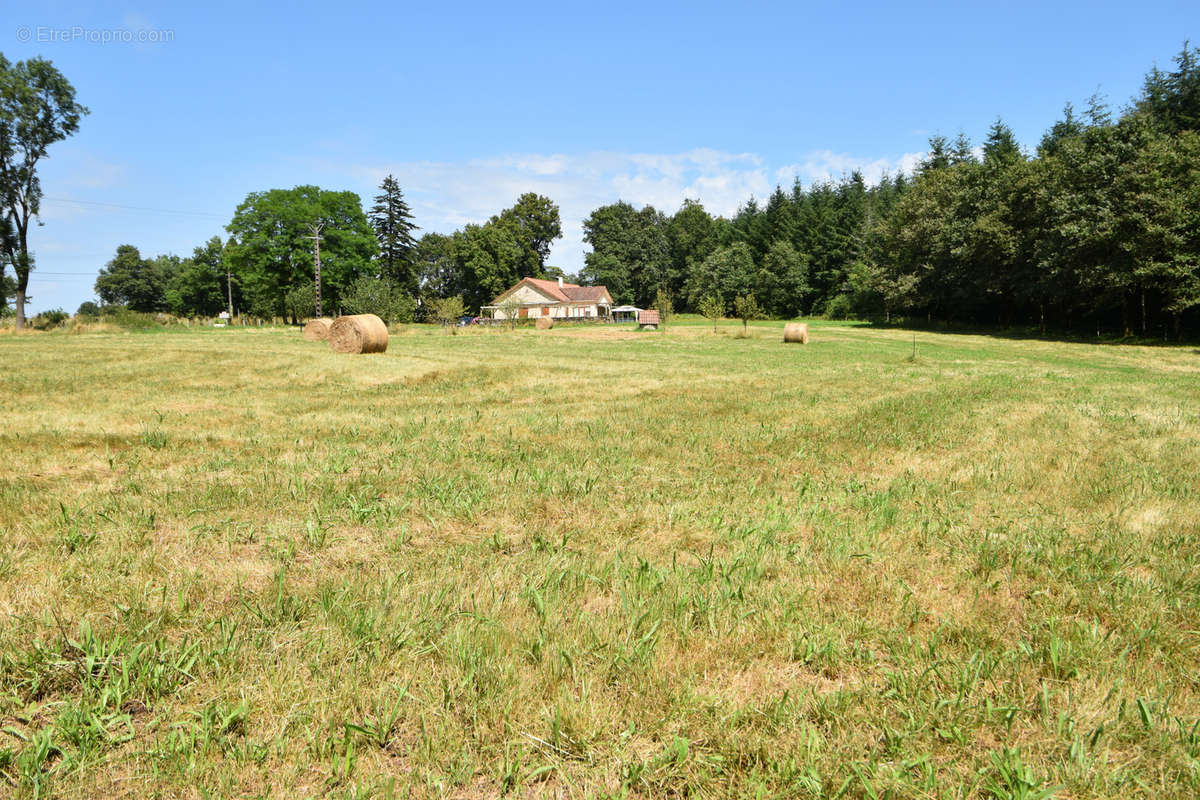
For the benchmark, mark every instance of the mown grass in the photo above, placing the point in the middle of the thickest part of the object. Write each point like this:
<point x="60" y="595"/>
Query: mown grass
<point x="596" y="563"/>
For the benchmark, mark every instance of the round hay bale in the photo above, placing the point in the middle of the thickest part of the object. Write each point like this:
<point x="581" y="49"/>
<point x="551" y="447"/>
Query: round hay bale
<point x="544" y="323"/>
<point x="358" y="333"/>
<point x="795" y="333"/>
<point x="317" y="330"/>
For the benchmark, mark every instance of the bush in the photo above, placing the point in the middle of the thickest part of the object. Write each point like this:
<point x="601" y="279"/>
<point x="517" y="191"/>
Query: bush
<point x="131" y="320"/>
<point x="380" y="297"/>
<point x="50" y="319"/>
<point x="301" y="302"/>
<point x="840" y="306"/>
<point x="88" y="309"/>
<point x="446" y="310"/>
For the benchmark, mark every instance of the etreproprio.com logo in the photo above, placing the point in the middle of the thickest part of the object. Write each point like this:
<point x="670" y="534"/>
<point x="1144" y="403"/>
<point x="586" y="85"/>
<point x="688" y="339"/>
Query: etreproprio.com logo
<point x="43" y="34"/>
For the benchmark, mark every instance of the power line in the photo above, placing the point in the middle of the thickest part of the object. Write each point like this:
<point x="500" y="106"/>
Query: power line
<point x="135" y="208"/>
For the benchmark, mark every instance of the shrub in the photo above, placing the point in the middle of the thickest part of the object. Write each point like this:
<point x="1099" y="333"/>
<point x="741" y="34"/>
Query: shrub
<point x="130" y="320"/>
<point x="840" y="306"/>
<point x="712" y="307"/>
<point x="380" y="297"/>
<point x="88" y="309"/>
<point x="446" y="310"/>
<point x="301" y="302"/>
<point x="746" y="308"/>
<point x="665" y="306"/>
<point x="53" y="318"/>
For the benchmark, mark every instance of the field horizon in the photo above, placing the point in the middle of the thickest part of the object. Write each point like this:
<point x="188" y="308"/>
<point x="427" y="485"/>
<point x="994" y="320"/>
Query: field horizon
<point x="593" y="562"/>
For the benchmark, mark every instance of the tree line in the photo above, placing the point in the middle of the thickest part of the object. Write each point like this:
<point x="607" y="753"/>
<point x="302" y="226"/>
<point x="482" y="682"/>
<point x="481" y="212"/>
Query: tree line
<point x="370" y="262"/>
<point x="1097" y="229"/>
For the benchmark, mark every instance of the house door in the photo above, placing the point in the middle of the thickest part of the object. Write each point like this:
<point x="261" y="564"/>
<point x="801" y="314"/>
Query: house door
<point x="545" y="311"/>
<point x="524" y="313"/>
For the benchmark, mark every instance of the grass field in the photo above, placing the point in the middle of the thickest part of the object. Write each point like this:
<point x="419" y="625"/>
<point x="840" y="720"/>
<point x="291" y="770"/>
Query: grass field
<point x="597" y="563"/>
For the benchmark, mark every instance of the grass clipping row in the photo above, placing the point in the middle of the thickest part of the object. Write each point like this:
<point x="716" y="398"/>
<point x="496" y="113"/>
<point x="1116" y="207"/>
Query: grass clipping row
<point x="317" y="330"/>
<point x="795" y="333"/>
<point x="358" y="333"/>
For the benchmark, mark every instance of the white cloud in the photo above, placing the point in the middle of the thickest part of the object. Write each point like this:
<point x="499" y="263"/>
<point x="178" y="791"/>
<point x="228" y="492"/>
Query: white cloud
<point x="92" y="173"/>
<point x="447" y="195"/>
<point x="826" y="165"/>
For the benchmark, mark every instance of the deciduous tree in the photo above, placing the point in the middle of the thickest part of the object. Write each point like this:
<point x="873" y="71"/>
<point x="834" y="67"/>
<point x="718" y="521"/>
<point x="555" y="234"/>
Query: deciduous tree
<point x="712" y="307"/>
<point x="746" y="308"/>
<point x="37" y="109"/>
<point x="534" y="225"/>
<point x="138" y="283"/>
<point x="198" y="287"/>
<point x="272" y="250"/>
<point x="665" y="307"/>
<point x="379" y="296"/>
<point x="447" y="310"/>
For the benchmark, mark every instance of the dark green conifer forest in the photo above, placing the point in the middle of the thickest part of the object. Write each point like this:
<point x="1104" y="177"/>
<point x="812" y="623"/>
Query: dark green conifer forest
<point x="1098" y="229"/>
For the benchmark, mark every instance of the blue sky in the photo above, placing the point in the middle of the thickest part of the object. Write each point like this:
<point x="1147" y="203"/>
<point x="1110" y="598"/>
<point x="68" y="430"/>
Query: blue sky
<point x="471" y="104"/>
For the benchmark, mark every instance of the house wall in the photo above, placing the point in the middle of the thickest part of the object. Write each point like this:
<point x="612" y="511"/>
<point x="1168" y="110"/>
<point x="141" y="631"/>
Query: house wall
<point x="557" y="311"/>
<point x="534" y="301"/>
<point x="526" y="294"/>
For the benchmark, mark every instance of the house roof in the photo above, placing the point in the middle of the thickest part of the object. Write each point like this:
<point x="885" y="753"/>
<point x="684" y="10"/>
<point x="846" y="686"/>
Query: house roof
<point x="549" y="288"/>
<point x="567" y="293"/>
<point x="585" y="294"/>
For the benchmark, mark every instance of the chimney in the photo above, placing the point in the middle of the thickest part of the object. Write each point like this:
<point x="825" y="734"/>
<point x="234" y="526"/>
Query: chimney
<point x="560" y="282"/>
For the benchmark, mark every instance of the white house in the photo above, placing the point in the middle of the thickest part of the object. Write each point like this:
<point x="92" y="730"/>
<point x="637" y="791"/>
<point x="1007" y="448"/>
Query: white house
<point x="540" y="298"/>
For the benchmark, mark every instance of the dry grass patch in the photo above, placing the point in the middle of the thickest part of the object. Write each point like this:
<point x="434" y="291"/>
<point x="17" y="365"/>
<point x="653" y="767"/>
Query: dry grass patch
<point x="596" y="562"/>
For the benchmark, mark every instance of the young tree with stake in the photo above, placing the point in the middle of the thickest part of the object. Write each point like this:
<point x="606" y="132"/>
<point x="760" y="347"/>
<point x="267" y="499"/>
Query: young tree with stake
<point x="712" y="307"/>
<point x="746" y="309"/>
<point x="665" y="307"/>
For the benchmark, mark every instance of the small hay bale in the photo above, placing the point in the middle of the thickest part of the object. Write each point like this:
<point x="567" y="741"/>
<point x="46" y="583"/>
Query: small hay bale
<point x="317" y="330"/>
<point x="544" y="323"/>
<point x="358" y="333"/>
<point x="795" y="333"/>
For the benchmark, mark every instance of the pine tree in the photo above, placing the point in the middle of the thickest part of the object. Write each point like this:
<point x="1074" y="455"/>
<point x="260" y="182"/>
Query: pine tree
<point x="1098" y="113"/>
<point x="1001" y="148"/>
<point x="938" y="156"/>
<point x="962" y="152"/>
<point x="1172" y="99"/>
<point x="392" y="220"/>
<point x="1065" y="128"/>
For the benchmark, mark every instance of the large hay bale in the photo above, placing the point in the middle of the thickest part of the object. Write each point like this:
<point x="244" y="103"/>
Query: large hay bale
<point x="544" y="323"/>
<point x="795" y="333"/>
<point x="317" y="330"/>
<point x="358" y="333"/>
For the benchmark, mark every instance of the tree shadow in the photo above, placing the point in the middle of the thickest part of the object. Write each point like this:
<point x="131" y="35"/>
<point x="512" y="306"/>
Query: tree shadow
<point x="1031" y="334"/>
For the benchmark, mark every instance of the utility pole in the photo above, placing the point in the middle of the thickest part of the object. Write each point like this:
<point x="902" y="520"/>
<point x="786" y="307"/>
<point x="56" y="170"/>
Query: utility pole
<point x="229" y="289"/>
<point x="229" y="282"/>
<point x="316" y="237"/>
